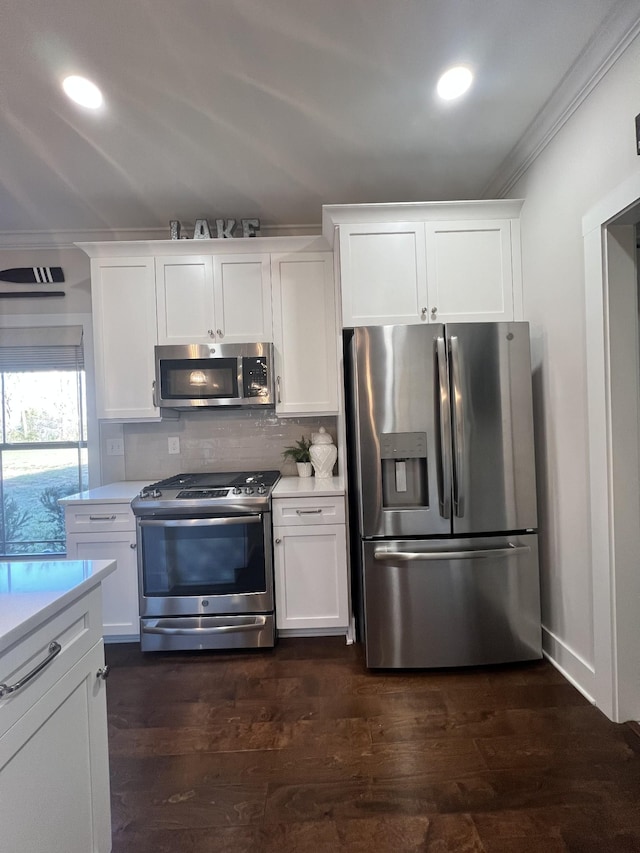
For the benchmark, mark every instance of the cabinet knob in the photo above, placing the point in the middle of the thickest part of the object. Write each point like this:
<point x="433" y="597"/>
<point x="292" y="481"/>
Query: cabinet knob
<point x="211" y="333"/>
<point x="434" y="311"/>
<point x="423" y="313"/>
<point x="133" y="545"/>
<point x="278" y="541"/>
<point x="220" y="333"/>
<point x="103" y="672"/>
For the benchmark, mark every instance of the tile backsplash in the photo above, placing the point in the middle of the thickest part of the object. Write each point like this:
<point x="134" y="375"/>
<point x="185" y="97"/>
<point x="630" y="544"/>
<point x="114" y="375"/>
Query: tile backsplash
<point x="208" y="441"/>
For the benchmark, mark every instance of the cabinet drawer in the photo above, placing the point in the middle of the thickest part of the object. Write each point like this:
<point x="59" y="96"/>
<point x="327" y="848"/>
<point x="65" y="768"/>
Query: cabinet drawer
<point x="76" y="628"/>
<point x="299" y="511"/>
<point x="99" y="517"/>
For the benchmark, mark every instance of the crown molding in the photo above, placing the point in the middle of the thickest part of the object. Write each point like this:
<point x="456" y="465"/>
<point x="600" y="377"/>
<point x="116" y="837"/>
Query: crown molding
<point x="67" y="239"/>
<point x="615" y="35"/>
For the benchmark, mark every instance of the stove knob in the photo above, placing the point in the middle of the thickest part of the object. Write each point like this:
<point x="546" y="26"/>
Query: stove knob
<point x="237" y="490"/>
<point x="248" y="490"/>
<point x="156" y="493"/>
<point x="262" y="490"/>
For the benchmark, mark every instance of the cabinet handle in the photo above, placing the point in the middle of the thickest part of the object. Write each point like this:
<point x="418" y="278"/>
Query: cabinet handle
<point x="278" y="541"/>
<point x="220" y="333"/>
<point x="103" y="672"/>
<point x="211" y="333"/>
<point x="309" y="511"/>
<point x="54" y="649"/>
<point x="102" y="517"/>
<point x="278" y="388"/>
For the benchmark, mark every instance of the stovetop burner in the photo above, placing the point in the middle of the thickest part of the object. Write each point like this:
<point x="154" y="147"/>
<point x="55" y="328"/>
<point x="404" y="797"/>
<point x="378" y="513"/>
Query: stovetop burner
<point x="239" y="488"/>
<point x="221" y="480"/>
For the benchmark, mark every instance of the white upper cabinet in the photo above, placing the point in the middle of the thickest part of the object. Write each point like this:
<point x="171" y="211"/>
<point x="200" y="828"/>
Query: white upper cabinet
<point x="124" y="310"/>
<point x="159" y="292"/>
<point x="470" y="270"/>
<point x="224" y="298"/>
<point x="427" y="262"/>
<point x="305" y="333"/>
<point x="184" y="294"/>
<point x="383" y="273"/>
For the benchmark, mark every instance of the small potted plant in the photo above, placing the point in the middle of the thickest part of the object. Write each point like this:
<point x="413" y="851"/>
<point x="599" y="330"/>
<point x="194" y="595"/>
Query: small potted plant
<point x="299" y="453"/>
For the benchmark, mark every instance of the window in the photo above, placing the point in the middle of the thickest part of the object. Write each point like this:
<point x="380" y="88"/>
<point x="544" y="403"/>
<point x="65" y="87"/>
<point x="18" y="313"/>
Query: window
<point x="43" y="443"/>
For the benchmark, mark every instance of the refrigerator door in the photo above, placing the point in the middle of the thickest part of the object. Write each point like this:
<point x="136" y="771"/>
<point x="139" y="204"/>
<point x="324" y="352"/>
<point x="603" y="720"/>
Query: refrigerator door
<point x="494" y="484"/>
<point x="397" y="432"/>
<point x="455" y="602"/>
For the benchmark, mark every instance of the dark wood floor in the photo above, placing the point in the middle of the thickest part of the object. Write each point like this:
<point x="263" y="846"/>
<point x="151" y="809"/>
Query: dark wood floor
<point x="302" y="749"/>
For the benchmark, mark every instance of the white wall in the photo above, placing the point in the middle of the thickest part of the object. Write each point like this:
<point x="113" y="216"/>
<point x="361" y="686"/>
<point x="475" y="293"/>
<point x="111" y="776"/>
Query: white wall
<point x="592" y="154"/>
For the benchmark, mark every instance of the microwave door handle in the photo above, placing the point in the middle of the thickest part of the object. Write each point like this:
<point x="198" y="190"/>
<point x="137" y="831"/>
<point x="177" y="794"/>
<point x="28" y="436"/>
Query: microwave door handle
<point x="200" y="522"/>
<point x="240" y="377"/>
<point x="444" y="421"/>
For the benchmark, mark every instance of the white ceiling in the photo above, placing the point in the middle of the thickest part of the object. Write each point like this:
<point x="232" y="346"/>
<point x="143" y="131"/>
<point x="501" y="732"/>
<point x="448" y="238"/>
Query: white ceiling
<point x="272" y="108"/>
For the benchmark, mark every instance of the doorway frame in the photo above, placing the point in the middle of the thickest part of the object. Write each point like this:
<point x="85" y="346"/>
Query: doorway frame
<point x="606" y="228"/>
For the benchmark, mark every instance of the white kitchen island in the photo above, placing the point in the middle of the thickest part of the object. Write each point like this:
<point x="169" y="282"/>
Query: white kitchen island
<point x="54" y="764"/>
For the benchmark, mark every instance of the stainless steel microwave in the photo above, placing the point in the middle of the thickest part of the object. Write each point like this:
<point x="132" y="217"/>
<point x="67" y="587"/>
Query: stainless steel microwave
<point x="199" y="375"/>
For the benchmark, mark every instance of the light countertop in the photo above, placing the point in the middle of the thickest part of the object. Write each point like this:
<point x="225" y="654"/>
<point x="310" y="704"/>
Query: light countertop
<point x="286" y="487"/>
<point x="32" y="592"/>
<point x="124" y="491"/>
<point x="297" y="487"/>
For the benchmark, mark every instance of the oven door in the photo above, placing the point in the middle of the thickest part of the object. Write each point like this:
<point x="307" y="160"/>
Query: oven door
<point x="205" y="566"/>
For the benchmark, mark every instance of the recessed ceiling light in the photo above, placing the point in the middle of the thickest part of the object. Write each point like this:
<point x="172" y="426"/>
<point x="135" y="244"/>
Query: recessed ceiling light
<point x="82" y="91"/>
<point x="454" y="83"/>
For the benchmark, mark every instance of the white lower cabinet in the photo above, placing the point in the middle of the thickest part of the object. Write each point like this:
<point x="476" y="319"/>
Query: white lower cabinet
<point x="108" y="532"/>
<point x="310" y="559"/>
<point x="54" y="762"/>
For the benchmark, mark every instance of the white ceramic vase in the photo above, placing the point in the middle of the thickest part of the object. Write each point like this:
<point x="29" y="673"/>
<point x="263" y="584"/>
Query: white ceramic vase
<point x="323" y="453"/>
<point x="304" y="469"/>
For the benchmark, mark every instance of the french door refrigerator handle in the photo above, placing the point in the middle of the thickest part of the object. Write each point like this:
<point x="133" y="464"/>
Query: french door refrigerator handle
<point x="406" y="556"/>
<point x="458" y="429"/>
<point x="445" y="429"/>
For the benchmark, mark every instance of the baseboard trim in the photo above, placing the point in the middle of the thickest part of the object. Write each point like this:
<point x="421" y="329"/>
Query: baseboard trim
<point x="313" y="632"/>
<point x="574" y="668"/>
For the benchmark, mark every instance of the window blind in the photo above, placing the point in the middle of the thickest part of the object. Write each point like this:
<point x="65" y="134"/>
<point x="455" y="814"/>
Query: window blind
<point x="41" y="348"/>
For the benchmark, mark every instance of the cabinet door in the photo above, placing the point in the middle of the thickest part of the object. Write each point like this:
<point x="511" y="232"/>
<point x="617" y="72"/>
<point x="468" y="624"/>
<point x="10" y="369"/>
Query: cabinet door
<point x="54" y="767"/>
<point x="120" y="610"/>
<point x="383" y="274"/>
<point x="124" y="324"/>
<point x="242" y="288"/>
<point x="311" y="577"/>
<point x="184" y="290"/>
<point x="470" y="272"/>
<point x="305" y="333"/>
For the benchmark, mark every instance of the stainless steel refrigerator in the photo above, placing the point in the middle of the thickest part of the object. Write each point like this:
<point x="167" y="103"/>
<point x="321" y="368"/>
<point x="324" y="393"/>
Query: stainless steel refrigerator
<point x="443" y="494"/>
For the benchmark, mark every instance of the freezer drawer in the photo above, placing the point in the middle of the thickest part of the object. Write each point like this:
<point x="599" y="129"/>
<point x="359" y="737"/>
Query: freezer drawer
<point x="453" y="602"/>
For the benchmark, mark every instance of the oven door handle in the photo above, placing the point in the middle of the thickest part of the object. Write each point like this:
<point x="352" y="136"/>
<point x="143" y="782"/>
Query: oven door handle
<point x="200" y="522"/>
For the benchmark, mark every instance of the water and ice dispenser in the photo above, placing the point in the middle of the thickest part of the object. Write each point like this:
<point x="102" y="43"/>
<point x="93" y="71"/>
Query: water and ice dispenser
<point x="403" y="457"/>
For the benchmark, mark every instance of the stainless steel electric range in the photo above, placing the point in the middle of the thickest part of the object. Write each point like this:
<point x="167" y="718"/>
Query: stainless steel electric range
<point x="205" y="561"/>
